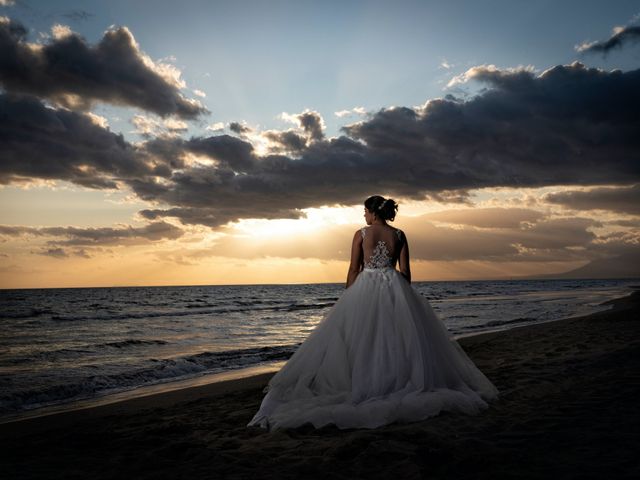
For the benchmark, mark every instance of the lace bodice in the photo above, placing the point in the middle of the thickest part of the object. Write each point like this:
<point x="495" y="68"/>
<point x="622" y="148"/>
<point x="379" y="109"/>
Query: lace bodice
<point x="380" y="257"/>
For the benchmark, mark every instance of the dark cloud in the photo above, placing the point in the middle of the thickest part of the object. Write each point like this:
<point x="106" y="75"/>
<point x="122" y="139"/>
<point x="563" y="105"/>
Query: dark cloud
<point x="231" y="153"/>
<point x="194" y="187"/>
<point x="239" y="128"/>
<point x="75" y="236"/>
<point x="311" y="123"/>
<point x="214" y="217"/>
<point x="616" y="199"/>
<point x="295" y="142"/>
<point x="188" y="216"/>
<point x="550" y="240"/>
<point x="450" y="196"/>
<point x="54" y="252"/>
<point x="285" y="142"/>
<point x="621" y="37"/>
<point x="558" y="233"/>
<point x="60" y="144"/>
<point x="615" y="244"/>
<point x="570" y="125"/>
<point x="167" y="151"/>
<point x="59" y="252"/>
<point x="273" y="186"/>
<point x="430" y="242"/>
<point x="487" y="217"/>
<point x="626" y="223"/>
<point x="72" y="73"/>
<point x="10" y="230"/>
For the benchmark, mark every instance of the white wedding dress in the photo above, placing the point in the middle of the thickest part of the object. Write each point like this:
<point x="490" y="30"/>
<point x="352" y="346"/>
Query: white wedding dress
<point x="380" y="355"/>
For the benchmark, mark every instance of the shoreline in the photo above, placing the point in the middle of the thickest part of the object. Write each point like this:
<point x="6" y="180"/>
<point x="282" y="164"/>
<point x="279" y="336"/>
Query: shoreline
<point x="567" y="409"/>
<point x="204" y="385"/>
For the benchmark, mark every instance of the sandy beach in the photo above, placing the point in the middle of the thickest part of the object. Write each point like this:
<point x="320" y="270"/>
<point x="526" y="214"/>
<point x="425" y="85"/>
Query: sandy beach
<point x="567" y="409"/>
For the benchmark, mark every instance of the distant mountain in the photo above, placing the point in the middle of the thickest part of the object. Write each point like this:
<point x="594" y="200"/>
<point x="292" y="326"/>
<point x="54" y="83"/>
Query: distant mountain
<point x="623" y="266"/>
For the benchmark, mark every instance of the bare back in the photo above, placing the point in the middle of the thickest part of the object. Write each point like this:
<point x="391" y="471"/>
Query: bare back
<point x="381" y="244"/>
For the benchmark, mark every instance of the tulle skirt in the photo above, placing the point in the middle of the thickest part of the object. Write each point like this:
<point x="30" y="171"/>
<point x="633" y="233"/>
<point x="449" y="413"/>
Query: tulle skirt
<point x="380" y="355"/>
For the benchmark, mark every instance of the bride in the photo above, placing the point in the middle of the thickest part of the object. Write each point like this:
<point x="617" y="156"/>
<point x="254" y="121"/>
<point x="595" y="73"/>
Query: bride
<point x="380" y="355"/>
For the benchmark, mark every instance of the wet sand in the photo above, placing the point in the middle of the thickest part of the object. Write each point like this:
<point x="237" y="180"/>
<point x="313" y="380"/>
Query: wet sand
<point x="568" y="408"/>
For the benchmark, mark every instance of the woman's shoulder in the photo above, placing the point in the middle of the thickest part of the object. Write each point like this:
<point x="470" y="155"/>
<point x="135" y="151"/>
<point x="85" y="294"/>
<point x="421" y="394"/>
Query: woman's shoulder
<point x="398" y="232"/>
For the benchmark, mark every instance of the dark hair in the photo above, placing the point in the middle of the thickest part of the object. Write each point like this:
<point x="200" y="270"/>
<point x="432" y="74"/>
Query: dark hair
<point x="385" y="208"/>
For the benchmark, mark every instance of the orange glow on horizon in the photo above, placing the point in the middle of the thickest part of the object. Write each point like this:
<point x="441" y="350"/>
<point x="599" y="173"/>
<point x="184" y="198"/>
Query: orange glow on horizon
<point x="312" y="249"/>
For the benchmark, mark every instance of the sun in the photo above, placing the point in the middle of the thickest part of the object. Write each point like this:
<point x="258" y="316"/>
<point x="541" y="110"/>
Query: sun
<point x="313" y="219"/>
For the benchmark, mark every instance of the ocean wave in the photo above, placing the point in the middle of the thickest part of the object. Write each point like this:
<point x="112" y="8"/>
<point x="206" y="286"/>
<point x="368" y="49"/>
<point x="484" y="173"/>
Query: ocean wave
<point x="298" y="306"/>
<point x="156" y="371"/>
<point x="131" y="343"/>
<point x="279" y="307"/>
<point x="83" y="351"/>
<point x="31" y="312"/>
<point x="243" y="357"/>
<point x="500" y="323"/>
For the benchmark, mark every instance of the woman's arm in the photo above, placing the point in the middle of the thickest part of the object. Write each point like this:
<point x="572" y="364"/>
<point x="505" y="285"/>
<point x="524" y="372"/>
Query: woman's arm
<point x="356" y="259"/>
<point x="403" y="261"/>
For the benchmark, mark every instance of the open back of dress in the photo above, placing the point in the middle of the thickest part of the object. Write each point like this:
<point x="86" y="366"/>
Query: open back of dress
<point x="381" y="247"/>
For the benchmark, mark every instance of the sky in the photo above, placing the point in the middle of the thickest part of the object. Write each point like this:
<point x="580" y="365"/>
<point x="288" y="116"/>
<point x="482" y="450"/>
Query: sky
<point x="211" y="142"/>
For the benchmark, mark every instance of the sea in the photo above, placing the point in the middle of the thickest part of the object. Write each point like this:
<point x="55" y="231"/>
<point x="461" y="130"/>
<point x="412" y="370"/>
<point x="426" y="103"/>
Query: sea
<point x="59" y="347"/>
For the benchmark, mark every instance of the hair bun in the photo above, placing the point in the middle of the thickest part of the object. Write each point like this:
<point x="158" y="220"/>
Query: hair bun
<point x="385" y="208"/>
